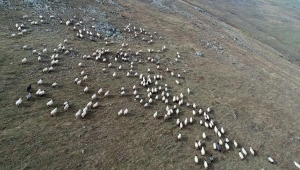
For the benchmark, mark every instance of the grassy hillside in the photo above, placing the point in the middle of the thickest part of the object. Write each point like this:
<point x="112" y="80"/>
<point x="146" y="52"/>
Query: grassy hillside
<point x="251" y="90"/>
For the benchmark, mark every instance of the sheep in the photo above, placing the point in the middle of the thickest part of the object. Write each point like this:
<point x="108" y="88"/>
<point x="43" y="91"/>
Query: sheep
<point x="100" y="91"/>
<point x="220" y="142"/>
<point x="82" y="73"/>
<point x="214" y="146"/>
<point x="78" y="113"/>
<point x="114" y="74"/>
<point x="191" y="120"/>
<point x="206" y="124"/>
<point x="79" y="64"/>
<point x="188" y="90"/>
<point x="208" y="110"/>
<point x="227" y="141"/>
<point x="126" y="111"/>
<point x="40" y="81"/>
<point x="94" y="96"/>
<point x="185" y="121"/>
<point x="53" y="112"/>
<point x="226" y="146"/>
<point x="66" y="106"/>
<point x="252" y="151"/>
<point x="120" y="112"/>
<point x="177" y="122"/>
<point x="41" y="92"/>
<point x="202" y="151"/>
<point x="50" y="103"/>
<point x="296" y="164"/>
<point x="235" y="143"/>
<point x="196" y="145"/>
<point x="181" y="125"/>
<point x="244" y="151"/>
<point x="19" y="101"/>
<point x="196" y="160"/>
<point x="54" y="84"/>
<point x="205" y="164"/>
<point x="29" y="96"/>
<point x="155" y="115"/>
<point x="222" y="130"/>
<point x="216" y="129"/>
<point x="211" y="158"/>
<point x="89" y="104"/>
<point x="85" y="78"/>
<point x="28" y="88"/>
<point x="84" y="112"/>
<point x="179" y="137"/>
<point x="271" y="160"/>
<point x="204" y="135"/>
<point x="86" y="89"/>
<point x="24" y="60"/>
<point x="106" y="93"/>
<point x="95" y="105"/>
<point x="241" y="155"/>
<point x="201" y="122"/>
<point x="39" y="58"/>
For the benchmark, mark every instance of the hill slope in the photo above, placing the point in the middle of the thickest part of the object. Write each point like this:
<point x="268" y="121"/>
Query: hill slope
<point x="250" y="88"/>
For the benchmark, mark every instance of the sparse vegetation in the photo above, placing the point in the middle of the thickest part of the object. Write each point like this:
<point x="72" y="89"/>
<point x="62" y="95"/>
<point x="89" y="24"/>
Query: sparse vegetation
<point x="250" y="90"/>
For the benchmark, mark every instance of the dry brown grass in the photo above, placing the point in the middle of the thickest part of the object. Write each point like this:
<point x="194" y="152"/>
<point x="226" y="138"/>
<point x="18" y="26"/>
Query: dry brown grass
<point x="256" y="86"/>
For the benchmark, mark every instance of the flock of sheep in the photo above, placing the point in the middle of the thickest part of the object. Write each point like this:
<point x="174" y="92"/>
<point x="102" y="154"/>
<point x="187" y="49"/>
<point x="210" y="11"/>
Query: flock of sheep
<point x="153" y="90"/>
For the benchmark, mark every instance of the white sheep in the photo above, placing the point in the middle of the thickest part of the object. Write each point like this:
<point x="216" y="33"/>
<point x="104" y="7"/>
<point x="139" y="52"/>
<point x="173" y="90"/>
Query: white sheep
<point x="50" y="103"/>
<point x="202" y="151"/>
<point x="296" y="164"/>
<point x="222" y="130"/>
<point x="271" y="160"/>
<point x="106" y="93"/>
<point x="196" y="160"/>
<point x="19" y="101"/>
<point x="85" y="78"/>
<point x="126" y="111"/>
<point x="96" y="105"/>
<point x="66" y="106"/>
<point x="78" y="113"/>
<point x="94" y="96"/>
<point x="179" y="137"/>
<point x="235" y="143"/>
<point x="24" y="60"/>
<point x="244" y="151"/>
<point x="155" y="115"/>
<point x="86" y="89"/>
<point x="40" y="81"/>
<point x="120" y="112"/>
<point x="84" y="112"/>
<point x="204" y="135"/>
<point x="82" y="73"/>
<point x="100" y="91"/>
<point x="252" y="151"/>
<point x="53" y="112"/>
<point x="191" y="120"/>
<point x="226" y="146"/>
<point x="205" y="164"/>
<point x="41" y="92"/>
<point x="54" y="84"/>
<point x="241" y="155"/>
